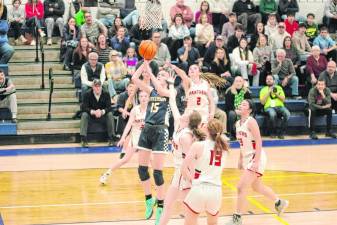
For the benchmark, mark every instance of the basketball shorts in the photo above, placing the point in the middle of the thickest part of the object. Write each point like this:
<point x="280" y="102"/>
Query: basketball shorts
<point x="134" y="139"/>
<point x="155" y="138"/>
<point x="204" y="197"/>
<point x="248" y="162"/>
<point x="179" y="182"/>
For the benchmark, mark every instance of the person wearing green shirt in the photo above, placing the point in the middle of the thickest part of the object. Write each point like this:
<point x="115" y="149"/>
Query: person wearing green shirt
<point x="272" y="98"/>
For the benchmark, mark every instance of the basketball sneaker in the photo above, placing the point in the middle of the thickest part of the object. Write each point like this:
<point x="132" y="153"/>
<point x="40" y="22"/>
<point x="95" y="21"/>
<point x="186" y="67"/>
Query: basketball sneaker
<point x="149" y="204"/>
<point x="159" y="211"/>
<point x="280" y="206"/>
<point x="236" y="220"/>
<point x="104" y="178"/>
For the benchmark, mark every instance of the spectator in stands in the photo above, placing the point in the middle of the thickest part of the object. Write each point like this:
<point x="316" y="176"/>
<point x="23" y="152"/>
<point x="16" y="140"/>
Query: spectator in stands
<point x="263" y="55"/>
<point x="221" y="65"/>
<point x="276" y="39"/>
<point x="130" y="60"/>
<point x="284" y="73"/>
<point x="116" y="73"/>
<point x="291" y="52"/>
<point x="204" y="10"/>
<point x="120" y="42"/>
<point x="243" y="63"/>
<point x="252" y="39"/>
<point x="246" y="12"/>
<point x="139" y="32"/>
<point x="330" y="11"/>
<point x="272" y="25"/>
<point x="233" y="98"/>
<point x="77" y="10"/>
<point x="301" y="43"/>
<point x="16" y="18"/>
<point x="71" y="36"/>
<point x="177" y="31"/>
<point x="220" y="12"/>
<point x="312" y="28"/>
<point x="272" y="98"/>
<point x="102" y="49"/>
<point x="107" y="11"/>
<point x="34" y="12"/>
<point x="184" y="10"/>
<point x="53" y="13"/>
<point x="330" y="78"/>
<point x="81" y="54"/>
<point x="210" y="51"/>
<point x="291" y="24"/>
<point x="188" y="55"/>
<point x="327" y="44"/>
<point x="7" y="95"/>
<point x="228" y="28"/>
<point x="319" y="100"/>
<point x="92" y="28"/>
<point x="316" y="64"/>
<point x="233" y="41"/>
<point x="204" y="34"/>
<point x="91" y="70"/>
<point x="6" y="51"/>
<point x="163" y="54"/>
<point x="287" y="6"/>
<point x="96" y="105"/>
<point x="266" y="8"/>
<point x="125" y="102"/>
<point x="115" y="26"/>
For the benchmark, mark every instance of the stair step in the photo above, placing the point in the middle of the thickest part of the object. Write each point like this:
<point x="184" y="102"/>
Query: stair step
<point x="24" y="55"/>
<point x="46" y="100"/>
<point x="32" y="67"/>
<point x="43" y="108"/>
<point x="44" y="116"/>
<point x="37" y="86"/>
<point x="44" y="94"/>
<point x="49" y="131"/>
<point x="42" y="126"/>
<point x="32" y="48"/>
<point x="59" y="72"/>
<point x="37" y="80"/>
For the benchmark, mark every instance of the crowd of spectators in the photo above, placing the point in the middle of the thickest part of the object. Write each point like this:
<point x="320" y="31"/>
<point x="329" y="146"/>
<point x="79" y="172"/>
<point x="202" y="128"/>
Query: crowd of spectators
<point x="247" y="45"/>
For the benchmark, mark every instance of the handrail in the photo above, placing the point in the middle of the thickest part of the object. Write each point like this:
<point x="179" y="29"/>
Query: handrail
<point x="51" y="90"/>
<point x="36" y="43"/>
<point x="42" y="64"/>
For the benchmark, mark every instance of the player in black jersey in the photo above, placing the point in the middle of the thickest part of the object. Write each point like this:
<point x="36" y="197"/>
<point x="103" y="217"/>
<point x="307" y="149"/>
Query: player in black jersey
<point x="154" y="136"/>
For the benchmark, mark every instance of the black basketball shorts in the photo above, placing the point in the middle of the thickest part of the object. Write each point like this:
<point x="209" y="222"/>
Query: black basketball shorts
<point x="155" y="138"/>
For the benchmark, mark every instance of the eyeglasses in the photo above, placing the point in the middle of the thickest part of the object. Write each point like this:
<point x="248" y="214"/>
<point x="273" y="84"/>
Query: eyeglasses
<point x="282" y="27"/>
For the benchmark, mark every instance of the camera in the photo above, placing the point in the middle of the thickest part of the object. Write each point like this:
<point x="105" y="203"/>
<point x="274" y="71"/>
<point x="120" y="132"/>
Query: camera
<point x="274" y="89"/>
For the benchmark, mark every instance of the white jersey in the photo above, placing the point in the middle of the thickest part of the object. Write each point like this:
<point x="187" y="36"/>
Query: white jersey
<point x="248" y="146"/>
<point x="137" y="125"/>
<point x="209" y="165"/>
<point x="178" y="156"/>
<point x="197" y="99"/>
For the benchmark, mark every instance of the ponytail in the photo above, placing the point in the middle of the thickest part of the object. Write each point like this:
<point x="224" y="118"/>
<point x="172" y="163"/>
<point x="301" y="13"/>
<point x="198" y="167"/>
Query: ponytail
<point x="215" y="129"/>
<point x="194" y="122"/>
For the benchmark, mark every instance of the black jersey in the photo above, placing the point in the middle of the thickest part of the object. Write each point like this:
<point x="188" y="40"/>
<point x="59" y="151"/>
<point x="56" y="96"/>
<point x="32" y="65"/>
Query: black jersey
<point x="158" y="110"/>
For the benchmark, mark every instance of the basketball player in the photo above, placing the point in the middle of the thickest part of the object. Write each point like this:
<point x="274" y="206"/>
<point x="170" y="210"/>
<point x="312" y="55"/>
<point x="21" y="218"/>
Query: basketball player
<point x="252" y="161"/>
<point x="185" y="133"/>
<point x="208" y="158"/>
<point x="153" y="137"/>
<point x="198" y="93"/>
<point x="130" y="141"/>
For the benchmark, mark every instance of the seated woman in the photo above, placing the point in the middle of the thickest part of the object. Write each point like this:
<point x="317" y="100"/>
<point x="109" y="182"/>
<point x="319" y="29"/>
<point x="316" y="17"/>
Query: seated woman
<point x="16" y="17"/>
<point x="116" y="74"/>
<point x="116" y="25"/>
<point x="221" y="65"/>
<point x="102" y="49"/>
<point x="204" y="10"/>
<point x="263" y="55"/>
<point x="243" y="62"/>
<point x="71" y="34"/>
<point x="204" y="34"/>
<point x="293" y="54"/>
<point x="253" y="38"/>
<point x="34" y="11"/>
<point x="316" y="64"/>
<point x="80" y="55"/>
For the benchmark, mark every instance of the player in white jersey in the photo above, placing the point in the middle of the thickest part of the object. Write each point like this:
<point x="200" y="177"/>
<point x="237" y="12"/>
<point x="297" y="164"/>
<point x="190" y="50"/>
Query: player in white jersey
<point x="198" y="93"/>
<point x="208" y="157"/>
<point x="186" y="132"/>
<point x="131" y="133"/>
<point x="252" y="161"/>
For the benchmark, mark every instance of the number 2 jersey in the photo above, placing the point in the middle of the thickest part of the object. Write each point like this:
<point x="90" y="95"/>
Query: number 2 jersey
<point x="158" y="109"/>
<point x="209" y="165"/>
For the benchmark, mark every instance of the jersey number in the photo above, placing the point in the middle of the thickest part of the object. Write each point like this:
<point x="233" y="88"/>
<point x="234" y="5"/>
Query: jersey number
<point x="154" y="107"/>
<point x="215" y="159"/>
<point x="198" y="100"/>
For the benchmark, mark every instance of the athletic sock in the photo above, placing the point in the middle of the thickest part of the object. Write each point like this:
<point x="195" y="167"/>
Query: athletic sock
<point x="160" y="203"/>
<point x="147" y="197"/>
<point x="108" y="172"/>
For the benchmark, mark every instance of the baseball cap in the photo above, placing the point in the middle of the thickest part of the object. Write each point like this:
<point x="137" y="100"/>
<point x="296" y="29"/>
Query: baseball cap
<point x="97" y="82"/>
<point x="220" y="37"/>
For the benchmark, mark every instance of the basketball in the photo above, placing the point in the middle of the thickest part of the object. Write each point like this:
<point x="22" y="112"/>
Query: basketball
<point x="147" y="49"/>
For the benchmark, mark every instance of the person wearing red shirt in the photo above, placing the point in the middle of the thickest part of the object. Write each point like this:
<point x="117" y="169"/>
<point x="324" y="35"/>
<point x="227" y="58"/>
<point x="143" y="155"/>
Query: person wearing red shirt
<point x="34" y="11"/>
<point x="183" y="9"/>
<point x="291" y="24"/>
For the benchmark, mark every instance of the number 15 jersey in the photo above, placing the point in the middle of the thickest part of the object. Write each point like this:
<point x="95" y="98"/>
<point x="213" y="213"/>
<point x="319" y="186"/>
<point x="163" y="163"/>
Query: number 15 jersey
<point x="158" y="110"/>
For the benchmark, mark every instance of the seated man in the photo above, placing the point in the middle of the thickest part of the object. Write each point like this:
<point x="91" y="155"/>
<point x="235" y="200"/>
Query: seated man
<point x="96" y="105"/>
<point x="247" y="14"/>
<point x="327" y="44"/>
<point x="330" y="11"/>
<point x="53" y="13"/>
<point x="92" y="28"/>
<point x="7" y="95"/>
<point x="188" y="54"/>
<point x="284" y="73"/>
<point x="330" y="78"/>
<point x="120" y="42"/>
<point x="319" y="100"/>
<point x="107" y="11"/>
<point x="272" y="98"/>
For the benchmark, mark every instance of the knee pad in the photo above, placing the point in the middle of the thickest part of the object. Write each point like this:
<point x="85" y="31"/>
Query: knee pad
<point x="158" y="177"/>
<point x="143" y="172"/>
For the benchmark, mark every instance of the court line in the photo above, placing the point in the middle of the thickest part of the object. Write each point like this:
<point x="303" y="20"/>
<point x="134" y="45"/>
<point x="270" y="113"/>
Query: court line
<point x="130" y="202"/>
<point x="287" y="176"/>
<point x="257" y="204"/>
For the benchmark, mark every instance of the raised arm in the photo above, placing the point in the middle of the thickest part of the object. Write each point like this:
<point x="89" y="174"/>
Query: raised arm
<point x="140" y="84"/>
<point x="173" y="104"/>
<point x="159" y="88"/>
<point x="186" y="80"/>
<point x="194" y="152"/>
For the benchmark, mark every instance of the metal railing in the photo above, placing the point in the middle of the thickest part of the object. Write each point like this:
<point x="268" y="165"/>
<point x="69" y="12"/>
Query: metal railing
<point x="51" y="90"/>
<point x="42" y="64"/>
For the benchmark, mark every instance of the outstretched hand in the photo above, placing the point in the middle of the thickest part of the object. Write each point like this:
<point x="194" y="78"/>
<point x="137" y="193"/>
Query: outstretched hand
<point x="172" y="77"/>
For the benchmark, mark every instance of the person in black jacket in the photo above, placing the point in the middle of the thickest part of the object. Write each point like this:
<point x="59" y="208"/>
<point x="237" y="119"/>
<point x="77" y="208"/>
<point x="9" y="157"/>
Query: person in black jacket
<point x="96" y="105"/>
<point x="247" y="14"/>
<point x="210" y="51"/>
<point x="233" y="40"/>
<point x="53" y="13"/>
<point x="71" y="36"/>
